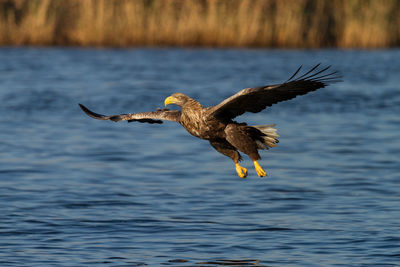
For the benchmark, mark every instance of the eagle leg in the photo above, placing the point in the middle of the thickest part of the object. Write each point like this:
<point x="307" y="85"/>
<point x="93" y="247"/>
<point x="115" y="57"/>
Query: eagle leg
<point x="260" y="171"/>
<point x="224" y="147"/>
<point x="241" y="171"/>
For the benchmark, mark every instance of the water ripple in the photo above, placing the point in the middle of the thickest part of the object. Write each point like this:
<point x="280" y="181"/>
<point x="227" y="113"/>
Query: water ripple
<point x="80" y="192"/>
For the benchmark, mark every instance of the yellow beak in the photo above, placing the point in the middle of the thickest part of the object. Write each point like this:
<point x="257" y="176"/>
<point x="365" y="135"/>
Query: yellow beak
<point x="169" y="100"/>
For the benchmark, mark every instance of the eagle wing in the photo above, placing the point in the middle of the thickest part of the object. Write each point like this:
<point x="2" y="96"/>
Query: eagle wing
<point x="256" y="99"/>
<point x="149" y="117"/>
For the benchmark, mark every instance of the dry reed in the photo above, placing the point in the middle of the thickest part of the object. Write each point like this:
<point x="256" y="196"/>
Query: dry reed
<point x="233" y="23"/>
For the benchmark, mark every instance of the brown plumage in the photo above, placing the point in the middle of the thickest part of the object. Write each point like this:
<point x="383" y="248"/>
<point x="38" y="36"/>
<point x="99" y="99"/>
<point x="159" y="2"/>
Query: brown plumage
<point x="216" y="124"/>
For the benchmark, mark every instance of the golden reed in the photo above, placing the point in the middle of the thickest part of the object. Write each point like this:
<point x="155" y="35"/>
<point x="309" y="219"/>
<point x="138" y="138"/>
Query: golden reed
<point x="219" y="23"/>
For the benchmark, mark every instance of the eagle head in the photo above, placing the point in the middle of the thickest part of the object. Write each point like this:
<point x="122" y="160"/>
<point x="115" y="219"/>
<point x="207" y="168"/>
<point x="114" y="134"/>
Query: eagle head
<point x="177" y="99"/>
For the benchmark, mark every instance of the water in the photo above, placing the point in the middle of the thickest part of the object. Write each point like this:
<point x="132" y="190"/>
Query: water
<point x="80" y="192"/>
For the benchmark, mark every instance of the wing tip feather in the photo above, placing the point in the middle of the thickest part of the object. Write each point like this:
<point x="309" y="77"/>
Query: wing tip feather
<point x="92" y="114"/>
<point x="317" y="74"/>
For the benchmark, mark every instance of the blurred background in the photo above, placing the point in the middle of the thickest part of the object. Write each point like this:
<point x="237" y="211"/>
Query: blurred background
<point x="75" y="191"/>
<point x="212" y="23"/>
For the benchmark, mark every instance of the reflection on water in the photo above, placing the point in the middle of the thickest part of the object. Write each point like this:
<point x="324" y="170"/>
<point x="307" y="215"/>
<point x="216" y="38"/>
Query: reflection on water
<point x="76" y="192"/>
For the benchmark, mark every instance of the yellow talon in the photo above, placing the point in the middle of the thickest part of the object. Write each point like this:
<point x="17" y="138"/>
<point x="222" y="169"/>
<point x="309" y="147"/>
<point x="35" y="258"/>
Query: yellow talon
<point x="259" y="169"/>
<point x="241" y="171"/>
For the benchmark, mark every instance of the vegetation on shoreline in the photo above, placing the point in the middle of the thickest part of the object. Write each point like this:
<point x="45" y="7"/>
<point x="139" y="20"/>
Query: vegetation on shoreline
<point x="219" y="23"/>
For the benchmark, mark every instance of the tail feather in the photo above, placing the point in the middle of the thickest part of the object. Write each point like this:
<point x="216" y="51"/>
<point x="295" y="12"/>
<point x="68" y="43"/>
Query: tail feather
<point x="269" y="137"/>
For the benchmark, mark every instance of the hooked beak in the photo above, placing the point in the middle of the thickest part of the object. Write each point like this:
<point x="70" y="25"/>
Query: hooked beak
<point x="169" y="100"/>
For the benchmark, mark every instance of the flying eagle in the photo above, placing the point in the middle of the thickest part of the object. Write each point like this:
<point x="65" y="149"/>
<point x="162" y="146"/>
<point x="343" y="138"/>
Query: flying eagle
<point x="216" y="123"/>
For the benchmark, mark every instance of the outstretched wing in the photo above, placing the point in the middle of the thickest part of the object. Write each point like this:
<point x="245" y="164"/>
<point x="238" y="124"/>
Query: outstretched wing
<point x="149" y="117"/>
<point x="257" y="99"/>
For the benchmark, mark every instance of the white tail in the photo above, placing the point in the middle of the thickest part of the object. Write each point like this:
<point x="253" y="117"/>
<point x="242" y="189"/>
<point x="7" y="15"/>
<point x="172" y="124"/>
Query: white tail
<point x="270" y="139"/>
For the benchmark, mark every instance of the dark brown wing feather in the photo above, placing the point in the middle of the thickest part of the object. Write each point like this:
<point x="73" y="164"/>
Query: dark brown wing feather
<point x="257" y="99"/>
<point x="149" y="117"/>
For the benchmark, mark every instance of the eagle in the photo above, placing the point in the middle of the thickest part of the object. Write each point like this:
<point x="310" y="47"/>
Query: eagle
<point x="216" y="123"/>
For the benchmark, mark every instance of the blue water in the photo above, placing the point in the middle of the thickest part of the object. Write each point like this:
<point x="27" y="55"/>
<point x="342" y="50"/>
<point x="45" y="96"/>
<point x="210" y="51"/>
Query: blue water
<point x="81" y="192"/>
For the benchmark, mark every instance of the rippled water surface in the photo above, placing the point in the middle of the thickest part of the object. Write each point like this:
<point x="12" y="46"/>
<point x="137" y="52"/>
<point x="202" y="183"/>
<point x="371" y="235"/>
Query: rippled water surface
<point x="81" y="192"/>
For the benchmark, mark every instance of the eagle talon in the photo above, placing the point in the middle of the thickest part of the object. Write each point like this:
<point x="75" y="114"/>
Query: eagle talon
<point x="260" y="171"/>
<point x="241" y="171"/>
